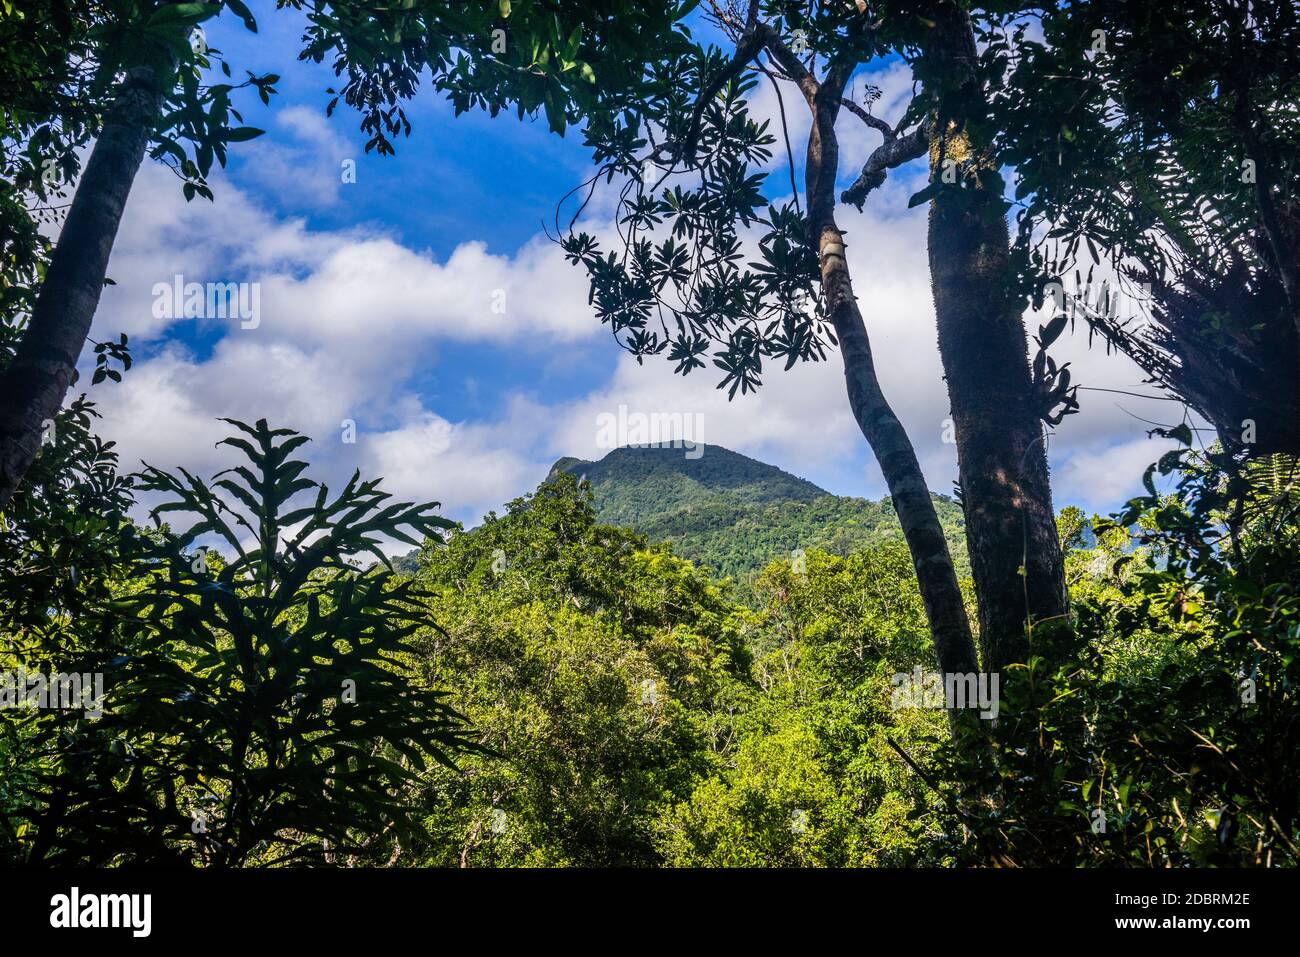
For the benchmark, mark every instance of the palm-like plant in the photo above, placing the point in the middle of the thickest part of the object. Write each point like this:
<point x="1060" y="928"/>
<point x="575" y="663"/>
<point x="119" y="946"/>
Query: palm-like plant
<point x="258" y="709"/>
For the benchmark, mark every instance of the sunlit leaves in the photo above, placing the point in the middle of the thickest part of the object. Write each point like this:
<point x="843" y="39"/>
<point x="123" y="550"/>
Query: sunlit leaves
<point x="263" y="688"/>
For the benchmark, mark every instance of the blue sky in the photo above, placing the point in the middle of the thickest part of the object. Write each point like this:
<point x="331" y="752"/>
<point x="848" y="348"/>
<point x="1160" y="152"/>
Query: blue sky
<point x="423" y="303"/>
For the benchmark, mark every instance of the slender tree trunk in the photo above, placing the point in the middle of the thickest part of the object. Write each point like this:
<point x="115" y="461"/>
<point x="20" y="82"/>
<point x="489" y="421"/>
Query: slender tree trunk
<point x="944" y="608"/>
<point x="33" y="387"/>
<point x="1002" y="462"/>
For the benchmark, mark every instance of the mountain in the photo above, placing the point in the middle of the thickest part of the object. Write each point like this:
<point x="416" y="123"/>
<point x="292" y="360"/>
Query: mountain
<point x="634" y="484"/>
<point x="735" y="514"/>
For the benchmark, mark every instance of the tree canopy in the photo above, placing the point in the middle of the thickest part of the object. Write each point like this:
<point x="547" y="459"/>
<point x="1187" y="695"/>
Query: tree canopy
<point x="227" y="670"/>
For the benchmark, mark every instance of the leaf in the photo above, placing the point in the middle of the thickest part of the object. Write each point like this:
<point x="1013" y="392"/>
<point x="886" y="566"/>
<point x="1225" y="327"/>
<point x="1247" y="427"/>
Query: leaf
<point x="240" y="10"/>
<point x="1052" y="331"/>
<point x="170" y="14"/>
<point x="925" y="195"/>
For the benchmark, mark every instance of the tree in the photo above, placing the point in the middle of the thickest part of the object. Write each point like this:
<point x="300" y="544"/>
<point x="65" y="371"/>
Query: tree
<point x="45" y="111"/>
<point x="1162" y="732"/>
<point x="135" y="64"/>
<point x="560" y="58"/>
<point x="1162" y="138"/>
<point x="670" y="108"/>
<point x="814" y="777"/>
<point x="602" y="671"/>
<point x="258" y="708"/>
<point x="688" y="294"/>
<point x="999" y="405"/>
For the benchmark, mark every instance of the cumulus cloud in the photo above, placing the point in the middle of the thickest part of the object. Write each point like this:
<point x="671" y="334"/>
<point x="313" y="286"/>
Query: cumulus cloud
<point x="353" y="320"/>
<point x="1103" y="477"/>
<point x="378" y="290"/>
<point x="321" y="286"/>
<point x="304" y="167"/>
<point x="472" y="468"/>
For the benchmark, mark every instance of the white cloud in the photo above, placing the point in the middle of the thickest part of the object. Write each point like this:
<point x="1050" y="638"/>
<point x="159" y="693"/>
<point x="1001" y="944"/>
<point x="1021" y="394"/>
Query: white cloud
<point x="321" y="288"/>
<point x="352" y="320"/>
<point x="1103" y="478"/>
<point x="304" y="167"/>
<point x="801" y="415"/>
<point x="470" y="468"/>
<point x="376" y="289"/>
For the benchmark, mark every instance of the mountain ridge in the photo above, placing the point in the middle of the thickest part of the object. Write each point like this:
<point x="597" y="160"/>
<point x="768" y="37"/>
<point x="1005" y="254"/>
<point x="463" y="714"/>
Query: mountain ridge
<point x="734" y="513"/>
<point x="683" y="477"/>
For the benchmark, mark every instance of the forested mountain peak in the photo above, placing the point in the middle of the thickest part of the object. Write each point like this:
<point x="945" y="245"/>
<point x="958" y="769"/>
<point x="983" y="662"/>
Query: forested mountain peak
<point x="634" y="482"/>
<point x="733" y="513"/>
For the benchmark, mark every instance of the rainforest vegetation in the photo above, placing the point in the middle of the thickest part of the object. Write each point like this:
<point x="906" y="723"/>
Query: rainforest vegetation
<point x="667" y="661"/>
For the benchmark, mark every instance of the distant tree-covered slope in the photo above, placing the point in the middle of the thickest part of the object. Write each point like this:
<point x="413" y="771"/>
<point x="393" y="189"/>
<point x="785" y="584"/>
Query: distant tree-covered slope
<point x="735" y="514"/>
<point x="630" y="485"/>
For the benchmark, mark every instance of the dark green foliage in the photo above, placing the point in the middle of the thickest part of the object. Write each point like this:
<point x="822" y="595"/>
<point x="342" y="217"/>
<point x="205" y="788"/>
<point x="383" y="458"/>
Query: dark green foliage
<point x="1158" y="142"/>
<point x="733" y="514"/>
<point x="65" y="539"/>
<point x="1164" y="733"/>
<point x="678" y="283"/>
<point x="258" y="709"/>
<point x="62" y="547"/>
<point x="62" y="62"/>
<point x="603" y="672"/>
<point x="556" y="59"/>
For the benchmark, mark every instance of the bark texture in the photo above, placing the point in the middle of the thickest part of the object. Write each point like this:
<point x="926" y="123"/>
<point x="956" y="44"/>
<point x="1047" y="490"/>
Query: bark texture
<point x="1011" y="532"/>
<point x="940" y="593"/>
<point x="33" y="386"/>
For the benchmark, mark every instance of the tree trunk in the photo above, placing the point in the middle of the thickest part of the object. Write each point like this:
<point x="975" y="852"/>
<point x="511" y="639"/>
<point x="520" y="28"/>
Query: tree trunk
<point x="33" y="387"/>
<point x="944" y="607"/>
<point x="940" y="593"/>
<point x="1001" y="448"/>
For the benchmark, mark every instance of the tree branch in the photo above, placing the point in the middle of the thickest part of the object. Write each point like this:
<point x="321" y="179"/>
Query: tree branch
<point x="874" y="122"/>
<point x="790" y="64"/>
<point x="889" y="155"/>
<point x="747" y="47"/>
